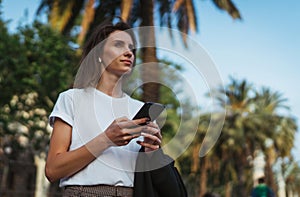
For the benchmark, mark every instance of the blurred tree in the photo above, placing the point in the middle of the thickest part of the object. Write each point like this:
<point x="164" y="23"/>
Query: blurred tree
<point x="252" y="122"/>
<point x="233" y="141"/>
<point x="279" y="131"/>
<point x="169" y="121"/>
<point x="36" y="64"/>
<point x="249" y="126"/>
<point x="291" y="174"/>
<point x="64" y="15"/>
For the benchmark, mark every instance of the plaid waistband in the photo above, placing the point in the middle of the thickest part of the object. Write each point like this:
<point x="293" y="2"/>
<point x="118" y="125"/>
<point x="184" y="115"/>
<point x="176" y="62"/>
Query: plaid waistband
<point x="97" y="190"/>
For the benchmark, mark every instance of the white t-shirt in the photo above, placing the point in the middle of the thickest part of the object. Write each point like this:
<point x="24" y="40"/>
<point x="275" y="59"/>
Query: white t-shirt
<point x="90" y="112"/>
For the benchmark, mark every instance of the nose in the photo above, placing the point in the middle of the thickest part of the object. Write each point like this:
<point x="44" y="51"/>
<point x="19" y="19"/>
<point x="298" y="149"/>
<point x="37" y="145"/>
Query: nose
<point x="128" y="53"/>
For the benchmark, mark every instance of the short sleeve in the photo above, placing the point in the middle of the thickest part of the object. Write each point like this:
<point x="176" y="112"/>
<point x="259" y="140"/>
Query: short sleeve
<point x="63" y="108"/>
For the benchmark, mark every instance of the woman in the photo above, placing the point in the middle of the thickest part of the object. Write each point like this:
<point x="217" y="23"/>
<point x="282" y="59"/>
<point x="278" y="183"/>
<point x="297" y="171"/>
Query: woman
<point x="94" y="143"/>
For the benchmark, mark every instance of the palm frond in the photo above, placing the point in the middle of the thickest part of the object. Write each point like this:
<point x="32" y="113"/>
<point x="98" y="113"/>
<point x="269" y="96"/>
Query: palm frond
<point x="63" y="14"/>
<point x="191" y="15"/>
<point x="88" y="17"/>
<point x="228" y="6"/>
<point x="126" y="6"/>
<point x="75" y="14"/>
<point x="177" y="5"/>
<point x="267" y="101"/>
<point x="44" y="5"/>
<point x="105" y="10"/>
<point x="182" y="24"/>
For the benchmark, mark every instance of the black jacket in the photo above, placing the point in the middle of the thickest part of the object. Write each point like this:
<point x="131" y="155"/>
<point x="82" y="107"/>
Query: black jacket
<point x="156" y="176"/>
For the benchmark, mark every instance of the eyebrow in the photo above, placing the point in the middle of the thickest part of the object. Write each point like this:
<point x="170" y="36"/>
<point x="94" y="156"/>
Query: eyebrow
<point x="129" y="44"/>
<point x="118" y="40"/>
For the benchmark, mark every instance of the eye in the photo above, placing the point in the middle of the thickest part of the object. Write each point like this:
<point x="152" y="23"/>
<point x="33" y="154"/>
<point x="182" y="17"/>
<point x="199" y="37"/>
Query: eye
<point x="119" y="43"/>
<point x="132" y="48"/>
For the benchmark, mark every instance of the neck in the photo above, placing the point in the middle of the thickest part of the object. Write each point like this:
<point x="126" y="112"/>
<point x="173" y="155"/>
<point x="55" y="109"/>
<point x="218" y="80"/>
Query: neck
<point x="110" y="85"/>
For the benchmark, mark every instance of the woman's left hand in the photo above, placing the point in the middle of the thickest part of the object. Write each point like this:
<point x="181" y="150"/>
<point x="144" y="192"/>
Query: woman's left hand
<point x="152" y="137"/>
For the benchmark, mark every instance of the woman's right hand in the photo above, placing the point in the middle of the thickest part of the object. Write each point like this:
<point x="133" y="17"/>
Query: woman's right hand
<point x="122" y="130"/>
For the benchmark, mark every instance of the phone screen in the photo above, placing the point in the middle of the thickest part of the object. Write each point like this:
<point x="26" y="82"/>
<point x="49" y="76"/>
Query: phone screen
<point x="149" y="110"/>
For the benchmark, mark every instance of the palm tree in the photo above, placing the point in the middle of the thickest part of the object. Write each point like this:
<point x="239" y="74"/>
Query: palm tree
<point x="219" y="165"/>
<point x="235" y="140"/>
<point x="252" y="123"/>
<point x="291" y="174"/>
<point x="279" y="130"/>
<point x="63" y="15"/>
<point x="204" y="162"/>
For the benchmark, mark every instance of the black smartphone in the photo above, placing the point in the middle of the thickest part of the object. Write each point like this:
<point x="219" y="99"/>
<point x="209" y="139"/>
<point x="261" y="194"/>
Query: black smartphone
<point x="150" y="110"/>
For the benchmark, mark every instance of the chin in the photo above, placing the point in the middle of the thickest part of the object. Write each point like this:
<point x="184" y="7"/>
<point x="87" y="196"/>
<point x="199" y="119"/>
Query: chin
<point x="128" y="72"/>
<point x="125" y="73"/>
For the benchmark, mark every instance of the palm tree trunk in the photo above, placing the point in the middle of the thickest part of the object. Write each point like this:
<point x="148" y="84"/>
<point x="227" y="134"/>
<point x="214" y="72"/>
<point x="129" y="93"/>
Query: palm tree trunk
<point x="269" y="173"/>
<point x="241" y="180"/>
<point x="42" y="185"/>
<point x="22" y="176"/>
<point x="195" y="159"/>
<point x="87" y="19"/>
<point x="228" y="189"/>
<point x="150" y="71"/>
<point x="203" y="176"/>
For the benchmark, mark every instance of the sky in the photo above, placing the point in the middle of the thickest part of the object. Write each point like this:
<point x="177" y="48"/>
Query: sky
<point x="263" y="47"/>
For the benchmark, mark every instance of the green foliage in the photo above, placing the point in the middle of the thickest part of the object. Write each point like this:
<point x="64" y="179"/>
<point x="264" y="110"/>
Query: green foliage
<point x="252" y="120"/>
<point x="168" y="75"/>
<point x="291" y="174"/>
<point x="51" y="60"/>
<point x="36" y="64"/>
<point x="0" y="8"/>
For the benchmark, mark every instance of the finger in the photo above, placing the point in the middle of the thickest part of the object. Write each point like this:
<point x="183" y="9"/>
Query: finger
<point x="134" y="131"/>
<point x="153" y="124"/>
<point x="152" y="131"/>
<point x="148" y="145"/>
<point x="125" y="139"/>
<point x="138" y="122"/>
<point x="134" y="135"/>
<point x="133" y="123"/>
<point x="153" y="138"/>
<point x="122" y="119"/>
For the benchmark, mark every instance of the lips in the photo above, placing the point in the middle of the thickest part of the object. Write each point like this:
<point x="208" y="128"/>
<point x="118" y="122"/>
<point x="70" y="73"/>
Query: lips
<point x="128" y="62"/>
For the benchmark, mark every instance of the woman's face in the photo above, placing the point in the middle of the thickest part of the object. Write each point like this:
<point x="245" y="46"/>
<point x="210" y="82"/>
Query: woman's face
<point x="117" y="55"/>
